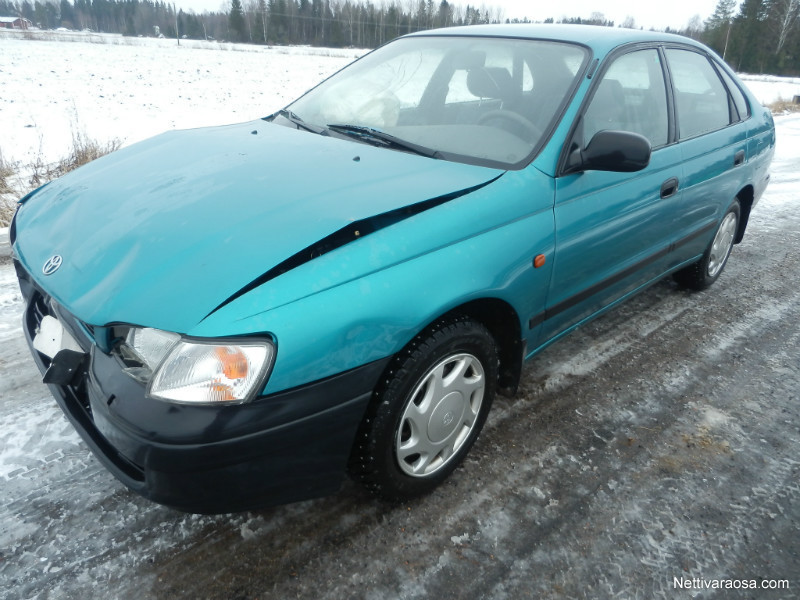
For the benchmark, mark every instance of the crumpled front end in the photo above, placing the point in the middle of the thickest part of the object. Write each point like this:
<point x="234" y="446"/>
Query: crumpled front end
<point x="206" y="459"/>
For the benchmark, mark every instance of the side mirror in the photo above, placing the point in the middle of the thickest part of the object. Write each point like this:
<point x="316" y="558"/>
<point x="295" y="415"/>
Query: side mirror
<point x="620" y="151"/>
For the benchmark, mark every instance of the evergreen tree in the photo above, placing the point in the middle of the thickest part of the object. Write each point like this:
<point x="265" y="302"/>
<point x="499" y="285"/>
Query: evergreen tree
<point x="67" y="15"/>
<point x="719" y="25"/>
<point x="236" y="24"/>
<point x="749" y="37"/>
<point x="26" y="10"/>
<point x="444" y="18"/>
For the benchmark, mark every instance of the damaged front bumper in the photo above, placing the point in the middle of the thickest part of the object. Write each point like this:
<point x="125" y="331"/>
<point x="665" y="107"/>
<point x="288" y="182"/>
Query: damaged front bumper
<point x="289" y="446"/>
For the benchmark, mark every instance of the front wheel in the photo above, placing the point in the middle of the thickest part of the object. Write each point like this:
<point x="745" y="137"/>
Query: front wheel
<point x="428" y="411"/>
<point x="700" y="275"/>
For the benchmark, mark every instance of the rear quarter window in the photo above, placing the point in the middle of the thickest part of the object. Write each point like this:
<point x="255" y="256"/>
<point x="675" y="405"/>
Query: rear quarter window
<point x="737" y="95"/>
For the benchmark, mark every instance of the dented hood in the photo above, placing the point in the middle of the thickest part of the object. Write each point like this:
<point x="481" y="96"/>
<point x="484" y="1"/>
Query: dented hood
<point x="162" y="232"/>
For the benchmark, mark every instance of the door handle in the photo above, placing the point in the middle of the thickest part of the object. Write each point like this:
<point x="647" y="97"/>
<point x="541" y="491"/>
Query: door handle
<point x="669" y="187"/>
<point x="738" y="158"/>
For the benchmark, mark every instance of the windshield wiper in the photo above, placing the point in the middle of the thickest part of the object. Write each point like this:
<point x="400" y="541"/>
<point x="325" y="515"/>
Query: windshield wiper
<point x="295" y="120"/>
<point x="381" y="138"/>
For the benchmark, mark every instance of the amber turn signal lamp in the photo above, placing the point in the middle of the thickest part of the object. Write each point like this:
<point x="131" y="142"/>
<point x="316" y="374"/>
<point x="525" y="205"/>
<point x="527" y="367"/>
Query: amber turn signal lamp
<point x="234" y="362"/>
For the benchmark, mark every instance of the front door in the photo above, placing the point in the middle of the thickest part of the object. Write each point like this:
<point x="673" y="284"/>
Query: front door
<point x="613" y="230"/>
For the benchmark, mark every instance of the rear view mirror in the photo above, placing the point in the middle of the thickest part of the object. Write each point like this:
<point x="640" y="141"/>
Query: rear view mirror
<point x="620" y="151"/>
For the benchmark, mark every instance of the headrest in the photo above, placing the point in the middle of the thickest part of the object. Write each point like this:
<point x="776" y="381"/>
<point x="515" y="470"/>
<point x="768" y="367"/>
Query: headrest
<point x="490" y="82"/>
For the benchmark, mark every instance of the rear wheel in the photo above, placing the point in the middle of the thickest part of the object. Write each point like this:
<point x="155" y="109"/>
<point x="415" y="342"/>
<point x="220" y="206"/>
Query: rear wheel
<point x="700" y="275"/>
<point x="428" y="411"/>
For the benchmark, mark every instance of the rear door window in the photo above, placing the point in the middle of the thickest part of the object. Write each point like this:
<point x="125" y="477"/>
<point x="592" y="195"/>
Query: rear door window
<point x="700" y="97"/>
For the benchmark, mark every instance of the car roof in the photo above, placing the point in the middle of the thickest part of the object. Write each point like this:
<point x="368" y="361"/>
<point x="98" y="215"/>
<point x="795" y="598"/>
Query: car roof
<point x="601" y="39"/>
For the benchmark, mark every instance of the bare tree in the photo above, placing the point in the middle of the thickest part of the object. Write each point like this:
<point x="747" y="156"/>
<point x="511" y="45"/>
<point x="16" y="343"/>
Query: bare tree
<point x="784" y="15"/>
<point x="694" y="28"/>
<point x="262" y="14"/>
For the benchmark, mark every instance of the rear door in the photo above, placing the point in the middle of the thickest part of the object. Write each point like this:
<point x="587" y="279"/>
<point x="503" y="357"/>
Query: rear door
<point x="713" y="143"/>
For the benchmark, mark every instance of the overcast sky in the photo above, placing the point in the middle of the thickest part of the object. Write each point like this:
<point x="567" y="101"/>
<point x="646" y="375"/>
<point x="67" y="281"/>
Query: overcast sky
<point x="646" y="13"/>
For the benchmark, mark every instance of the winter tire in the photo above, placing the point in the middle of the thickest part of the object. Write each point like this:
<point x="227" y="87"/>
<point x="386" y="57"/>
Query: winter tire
<point x="704" y="272"/>
<point x="428" y="410"/>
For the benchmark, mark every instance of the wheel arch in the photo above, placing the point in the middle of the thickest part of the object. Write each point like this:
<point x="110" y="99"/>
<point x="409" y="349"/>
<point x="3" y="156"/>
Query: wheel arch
<point x="746" y="197"/>
<point x="502" y="321"/>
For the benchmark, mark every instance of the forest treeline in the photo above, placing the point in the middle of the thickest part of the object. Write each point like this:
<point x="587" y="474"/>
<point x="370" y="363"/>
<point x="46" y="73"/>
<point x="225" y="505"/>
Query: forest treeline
<point x="756" y="36"/>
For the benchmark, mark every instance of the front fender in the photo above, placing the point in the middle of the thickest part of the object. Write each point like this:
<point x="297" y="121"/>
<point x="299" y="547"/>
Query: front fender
<point x="375" y="308"/>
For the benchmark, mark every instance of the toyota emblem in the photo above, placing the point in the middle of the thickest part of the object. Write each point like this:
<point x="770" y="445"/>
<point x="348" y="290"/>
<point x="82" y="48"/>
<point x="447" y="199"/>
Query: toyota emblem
<point x="52" y="264"/>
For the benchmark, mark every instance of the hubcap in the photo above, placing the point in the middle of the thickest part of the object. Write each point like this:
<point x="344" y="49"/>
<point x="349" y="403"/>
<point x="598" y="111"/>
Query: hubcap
<point x="722" y="244"/>
<point x="440" y="415"/>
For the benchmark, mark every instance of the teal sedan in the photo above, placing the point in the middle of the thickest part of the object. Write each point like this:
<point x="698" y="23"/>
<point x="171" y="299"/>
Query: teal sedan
<point x="238" y="316"/>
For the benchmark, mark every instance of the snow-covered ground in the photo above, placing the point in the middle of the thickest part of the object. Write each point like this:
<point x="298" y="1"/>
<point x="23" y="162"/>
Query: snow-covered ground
<point x="769" y="88"/>
<point x="108" y="87"/>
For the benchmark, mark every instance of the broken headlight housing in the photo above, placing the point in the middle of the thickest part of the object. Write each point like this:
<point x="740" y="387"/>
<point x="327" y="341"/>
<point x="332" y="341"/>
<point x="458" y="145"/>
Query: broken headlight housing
<point x="192" y="371"/>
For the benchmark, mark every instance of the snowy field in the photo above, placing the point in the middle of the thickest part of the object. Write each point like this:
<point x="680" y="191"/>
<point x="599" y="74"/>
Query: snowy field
<point x="769" y="88"/>
<point x="112" y="88"/>
<point x="109" y="87"/>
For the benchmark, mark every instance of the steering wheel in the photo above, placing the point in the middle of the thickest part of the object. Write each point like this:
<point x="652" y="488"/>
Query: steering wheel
<point x="530" y="131"/>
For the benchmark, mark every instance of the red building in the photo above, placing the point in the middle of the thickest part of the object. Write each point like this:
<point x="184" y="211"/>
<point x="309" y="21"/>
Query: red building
<point x="14" y="23"/>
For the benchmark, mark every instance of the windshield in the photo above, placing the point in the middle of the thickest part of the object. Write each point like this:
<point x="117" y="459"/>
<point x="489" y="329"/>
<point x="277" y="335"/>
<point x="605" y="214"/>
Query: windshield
<point x="468" y="99"/>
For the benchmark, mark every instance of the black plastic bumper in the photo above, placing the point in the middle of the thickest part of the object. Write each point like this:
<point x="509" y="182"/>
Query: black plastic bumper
<point x="289" y="446"/>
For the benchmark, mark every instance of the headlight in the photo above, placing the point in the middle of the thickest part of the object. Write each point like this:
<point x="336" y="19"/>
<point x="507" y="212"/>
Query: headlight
<point x="196" y="371"/>
<point x="201" y="372"/>
<point x="150" y="345"/>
